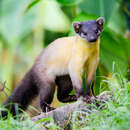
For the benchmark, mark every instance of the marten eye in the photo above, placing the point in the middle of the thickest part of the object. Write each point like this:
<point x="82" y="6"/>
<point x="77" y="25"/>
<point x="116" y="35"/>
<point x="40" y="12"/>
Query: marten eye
<point x="96" y="31"/>
<point x="84" y="33"/>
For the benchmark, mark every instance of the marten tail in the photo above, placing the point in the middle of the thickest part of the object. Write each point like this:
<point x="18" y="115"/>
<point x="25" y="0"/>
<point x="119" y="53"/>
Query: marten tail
<point x="22" y="95"/>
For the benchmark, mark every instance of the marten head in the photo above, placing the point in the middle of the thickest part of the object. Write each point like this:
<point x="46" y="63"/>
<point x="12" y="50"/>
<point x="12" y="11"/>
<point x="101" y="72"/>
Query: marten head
<point x="89" y="30"/>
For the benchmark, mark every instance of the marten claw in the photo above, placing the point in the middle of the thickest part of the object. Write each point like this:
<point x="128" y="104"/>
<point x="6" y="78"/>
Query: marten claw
<point x="87" y="99"/>
<point x="74" y="98"/>
<point x="49" y="108"/>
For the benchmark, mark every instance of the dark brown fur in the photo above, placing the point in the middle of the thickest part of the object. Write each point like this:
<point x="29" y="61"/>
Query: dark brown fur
<point x="64" y="88"/>
<point x="29" y="88"/>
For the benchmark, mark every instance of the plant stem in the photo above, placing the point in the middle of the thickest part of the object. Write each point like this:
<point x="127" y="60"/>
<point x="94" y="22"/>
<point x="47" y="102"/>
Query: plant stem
<point x="74" y="10"/>
<point x="102" y="8"/>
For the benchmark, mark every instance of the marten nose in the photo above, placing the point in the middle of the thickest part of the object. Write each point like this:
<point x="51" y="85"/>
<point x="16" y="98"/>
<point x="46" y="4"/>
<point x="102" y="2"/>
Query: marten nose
<point x="92" y="39"/>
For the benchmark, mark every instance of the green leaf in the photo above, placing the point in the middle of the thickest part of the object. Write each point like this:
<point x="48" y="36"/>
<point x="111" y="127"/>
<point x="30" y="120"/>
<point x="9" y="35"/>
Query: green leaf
<point x="102" y="8"/>
<point x="117" y="21"/>
<point x="69" y="2"/>
<point x="128" y="87"/>
<point x="14" y="25"/>
<point x="54" y="19"/>
<point x="43" y="120"/>
<point x="84" y="81"/>
<point x="84" y="17"/>
<point x="31" y="4"/>
<point x="112" y="54"/>
<point x="123" y="42"/>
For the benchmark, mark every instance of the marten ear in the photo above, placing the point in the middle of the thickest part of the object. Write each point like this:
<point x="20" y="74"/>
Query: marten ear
<point x="100" y="23"/>
<point x="76" y="27"/>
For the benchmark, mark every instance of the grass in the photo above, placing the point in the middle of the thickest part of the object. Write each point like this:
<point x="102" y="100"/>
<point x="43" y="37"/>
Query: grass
<point x="115" y="116"/>
<point x="18" y="124"/>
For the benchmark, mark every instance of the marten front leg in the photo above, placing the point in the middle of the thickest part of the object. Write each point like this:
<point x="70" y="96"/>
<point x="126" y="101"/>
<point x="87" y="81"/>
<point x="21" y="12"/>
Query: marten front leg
<point x="90" y="74"/>
<point x="75" y="70"/>
<point x="89" y="90"/>
<point x="64" y="84"/>
<point x="92" y="88"/>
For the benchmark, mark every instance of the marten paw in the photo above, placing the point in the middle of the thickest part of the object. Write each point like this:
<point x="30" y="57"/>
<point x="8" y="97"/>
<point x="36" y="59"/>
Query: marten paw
<point x="73" y="98"/>
<point x="87" y="99"/>
<point x="50" y="108"/>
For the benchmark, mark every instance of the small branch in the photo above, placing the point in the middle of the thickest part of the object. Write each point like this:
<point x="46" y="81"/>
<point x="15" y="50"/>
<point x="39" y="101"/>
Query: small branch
<point x="3" y="87"/>
<point x="61" y="115"/>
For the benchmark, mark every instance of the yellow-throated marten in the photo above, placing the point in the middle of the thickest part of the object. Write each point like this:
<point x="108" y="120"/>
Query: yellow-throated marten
<point x="61" y="64"/>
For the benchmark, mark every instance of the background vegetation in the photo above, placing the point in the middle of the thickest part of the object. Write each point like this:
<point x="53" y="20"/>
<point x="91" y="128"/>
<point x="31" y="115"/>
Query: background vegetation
<point x="26" y="27"/>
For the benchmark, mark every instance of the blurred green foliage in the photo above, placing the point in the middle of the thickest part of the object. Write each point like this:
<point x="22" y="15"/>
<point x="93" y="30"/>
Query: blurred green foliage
<point x="28" y="26"/>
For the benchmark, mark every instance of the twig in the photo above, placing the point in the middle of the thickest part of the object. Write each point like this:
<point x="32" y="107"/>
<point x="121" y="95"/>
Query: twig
<point x="3" y="87"/>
